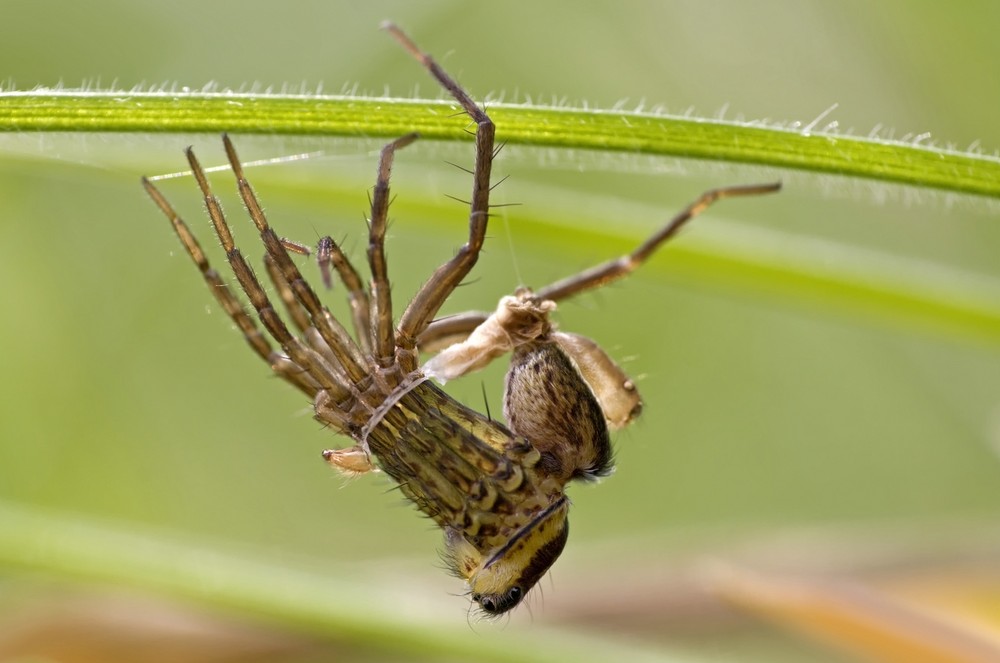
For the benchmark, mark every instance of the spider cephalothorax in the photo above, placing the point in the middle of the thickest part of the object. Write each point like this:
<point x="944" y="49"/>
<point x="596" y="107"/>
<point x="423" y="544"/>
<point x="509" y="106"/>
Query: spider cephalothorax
<point x="497" y="491"/>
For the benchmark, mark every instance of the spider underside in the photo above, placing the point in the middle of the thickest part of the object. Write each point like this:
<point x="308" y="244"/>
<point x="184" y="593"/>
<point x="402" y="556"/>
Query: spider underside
<point x="497" y="491"/>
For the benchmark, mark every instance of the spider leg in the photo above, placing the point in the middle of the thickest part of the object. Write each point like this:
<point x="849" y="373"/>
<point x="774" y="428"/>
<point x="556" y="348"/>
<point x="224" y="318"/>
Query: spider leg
<point x="449" y="330"/>
<point x="289" y="369"/>
<point x="456" y="328"/>
<point x="613" y="270"/>
<point x="298" y="314"/>
<point x="356" y="460"/>
<point x="327" y="253"/>
<point x="353" y="460"/>
<point x="348" y="354"/>
<point x="295" y="311"/>
<point x="329" y="377"/>
<point x="383" y="336"/>
<point x="468" y="341"/>
<point x="428" y="300"/>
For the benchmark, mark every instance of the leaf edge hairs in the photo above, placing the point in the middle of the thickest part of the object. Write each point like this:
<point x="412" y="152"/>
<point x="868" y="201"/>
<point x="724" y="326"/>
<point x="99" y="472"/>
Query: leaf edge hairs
<point x="497" y="491"/>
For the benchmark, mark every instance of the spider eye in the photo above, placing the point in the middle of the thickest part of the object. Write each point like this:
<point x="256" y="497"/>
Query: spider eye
<point x="496" y="604"/>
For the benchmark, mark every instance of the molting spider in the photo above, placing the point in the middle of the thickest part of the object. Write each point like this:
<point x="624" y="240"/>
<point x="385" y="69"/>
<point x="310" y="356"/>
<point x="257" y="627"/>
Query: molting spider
<point x="497" y="491"/>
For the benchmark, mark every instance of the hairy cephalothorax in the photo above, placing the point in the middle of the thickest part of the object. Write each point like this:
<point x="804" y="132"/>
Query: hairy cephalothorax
<point x="497" y="491"/>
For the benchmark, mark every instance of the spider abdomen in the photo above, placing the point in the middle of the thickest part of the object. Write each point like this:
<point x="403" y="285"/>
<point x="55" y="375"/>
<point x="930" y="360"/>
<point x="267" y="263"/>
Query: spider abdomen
<point x="548" y="402"/>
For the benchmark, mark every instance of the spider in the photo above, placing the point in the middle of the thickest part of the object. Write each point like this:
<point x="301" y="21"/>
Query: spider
<point x="497" y="491"/>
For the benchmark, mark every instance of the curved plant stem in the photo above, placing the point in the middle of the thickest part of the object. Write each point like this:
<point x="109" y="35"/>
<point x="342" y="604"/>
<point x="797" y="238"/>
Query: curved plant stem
<point x="645" y="133"/>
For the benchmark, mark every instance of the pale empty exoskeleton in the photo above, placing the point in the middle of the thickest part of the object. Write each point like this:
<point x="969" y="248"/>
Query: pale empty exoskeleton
<point x="497" y="491"/>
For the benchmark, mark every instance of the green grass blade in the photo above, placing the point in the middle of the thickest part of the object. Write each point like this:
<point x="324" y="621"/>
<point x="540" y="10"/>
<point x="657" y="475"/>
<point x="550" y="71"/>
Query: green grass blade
<point x="371" y="616"/>
<point x="642" y="133"/>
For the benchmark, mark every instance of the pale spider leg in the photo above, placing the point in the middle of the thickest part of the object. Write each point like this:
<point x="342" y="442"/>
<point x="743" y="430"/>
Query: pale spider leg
<point x="324" y="374"/>
<point x="282" y="365"/>
<point x="327" y="253"/>
<point x="343" y="346"/>
<point x="455" y="328"/>
<point x="449" y="330"/>
<point x="383" y="336"/>
<point x="426" y="303"/>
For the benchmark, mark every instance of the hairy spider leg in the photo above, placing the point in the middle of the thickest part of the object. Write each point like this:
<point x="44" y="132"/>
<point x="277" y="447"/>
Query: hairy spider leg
<point x="298" y="314"/>
<point x="363" y="309"/>
<point x="455" y="328"/>
<point x="328" y="253"/>
<point x="349" y="355"/>
<point x="383" y="339"/>
<point x="625" y="265"/>
<point x="300" y="317"/>
<point x="353" y="460"/>
<point x="297" y="364"/>
<point x="433" y="293"/>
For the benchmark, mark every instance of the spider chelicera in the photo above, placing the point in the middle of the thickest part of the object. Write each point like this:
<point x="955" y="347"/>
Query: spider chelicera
<point x="497" y="491"/>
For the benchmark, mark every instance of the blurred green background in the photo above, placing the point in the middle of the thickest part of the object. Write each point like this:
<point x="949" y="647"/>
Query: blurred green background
<point x="774" y="417"/>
